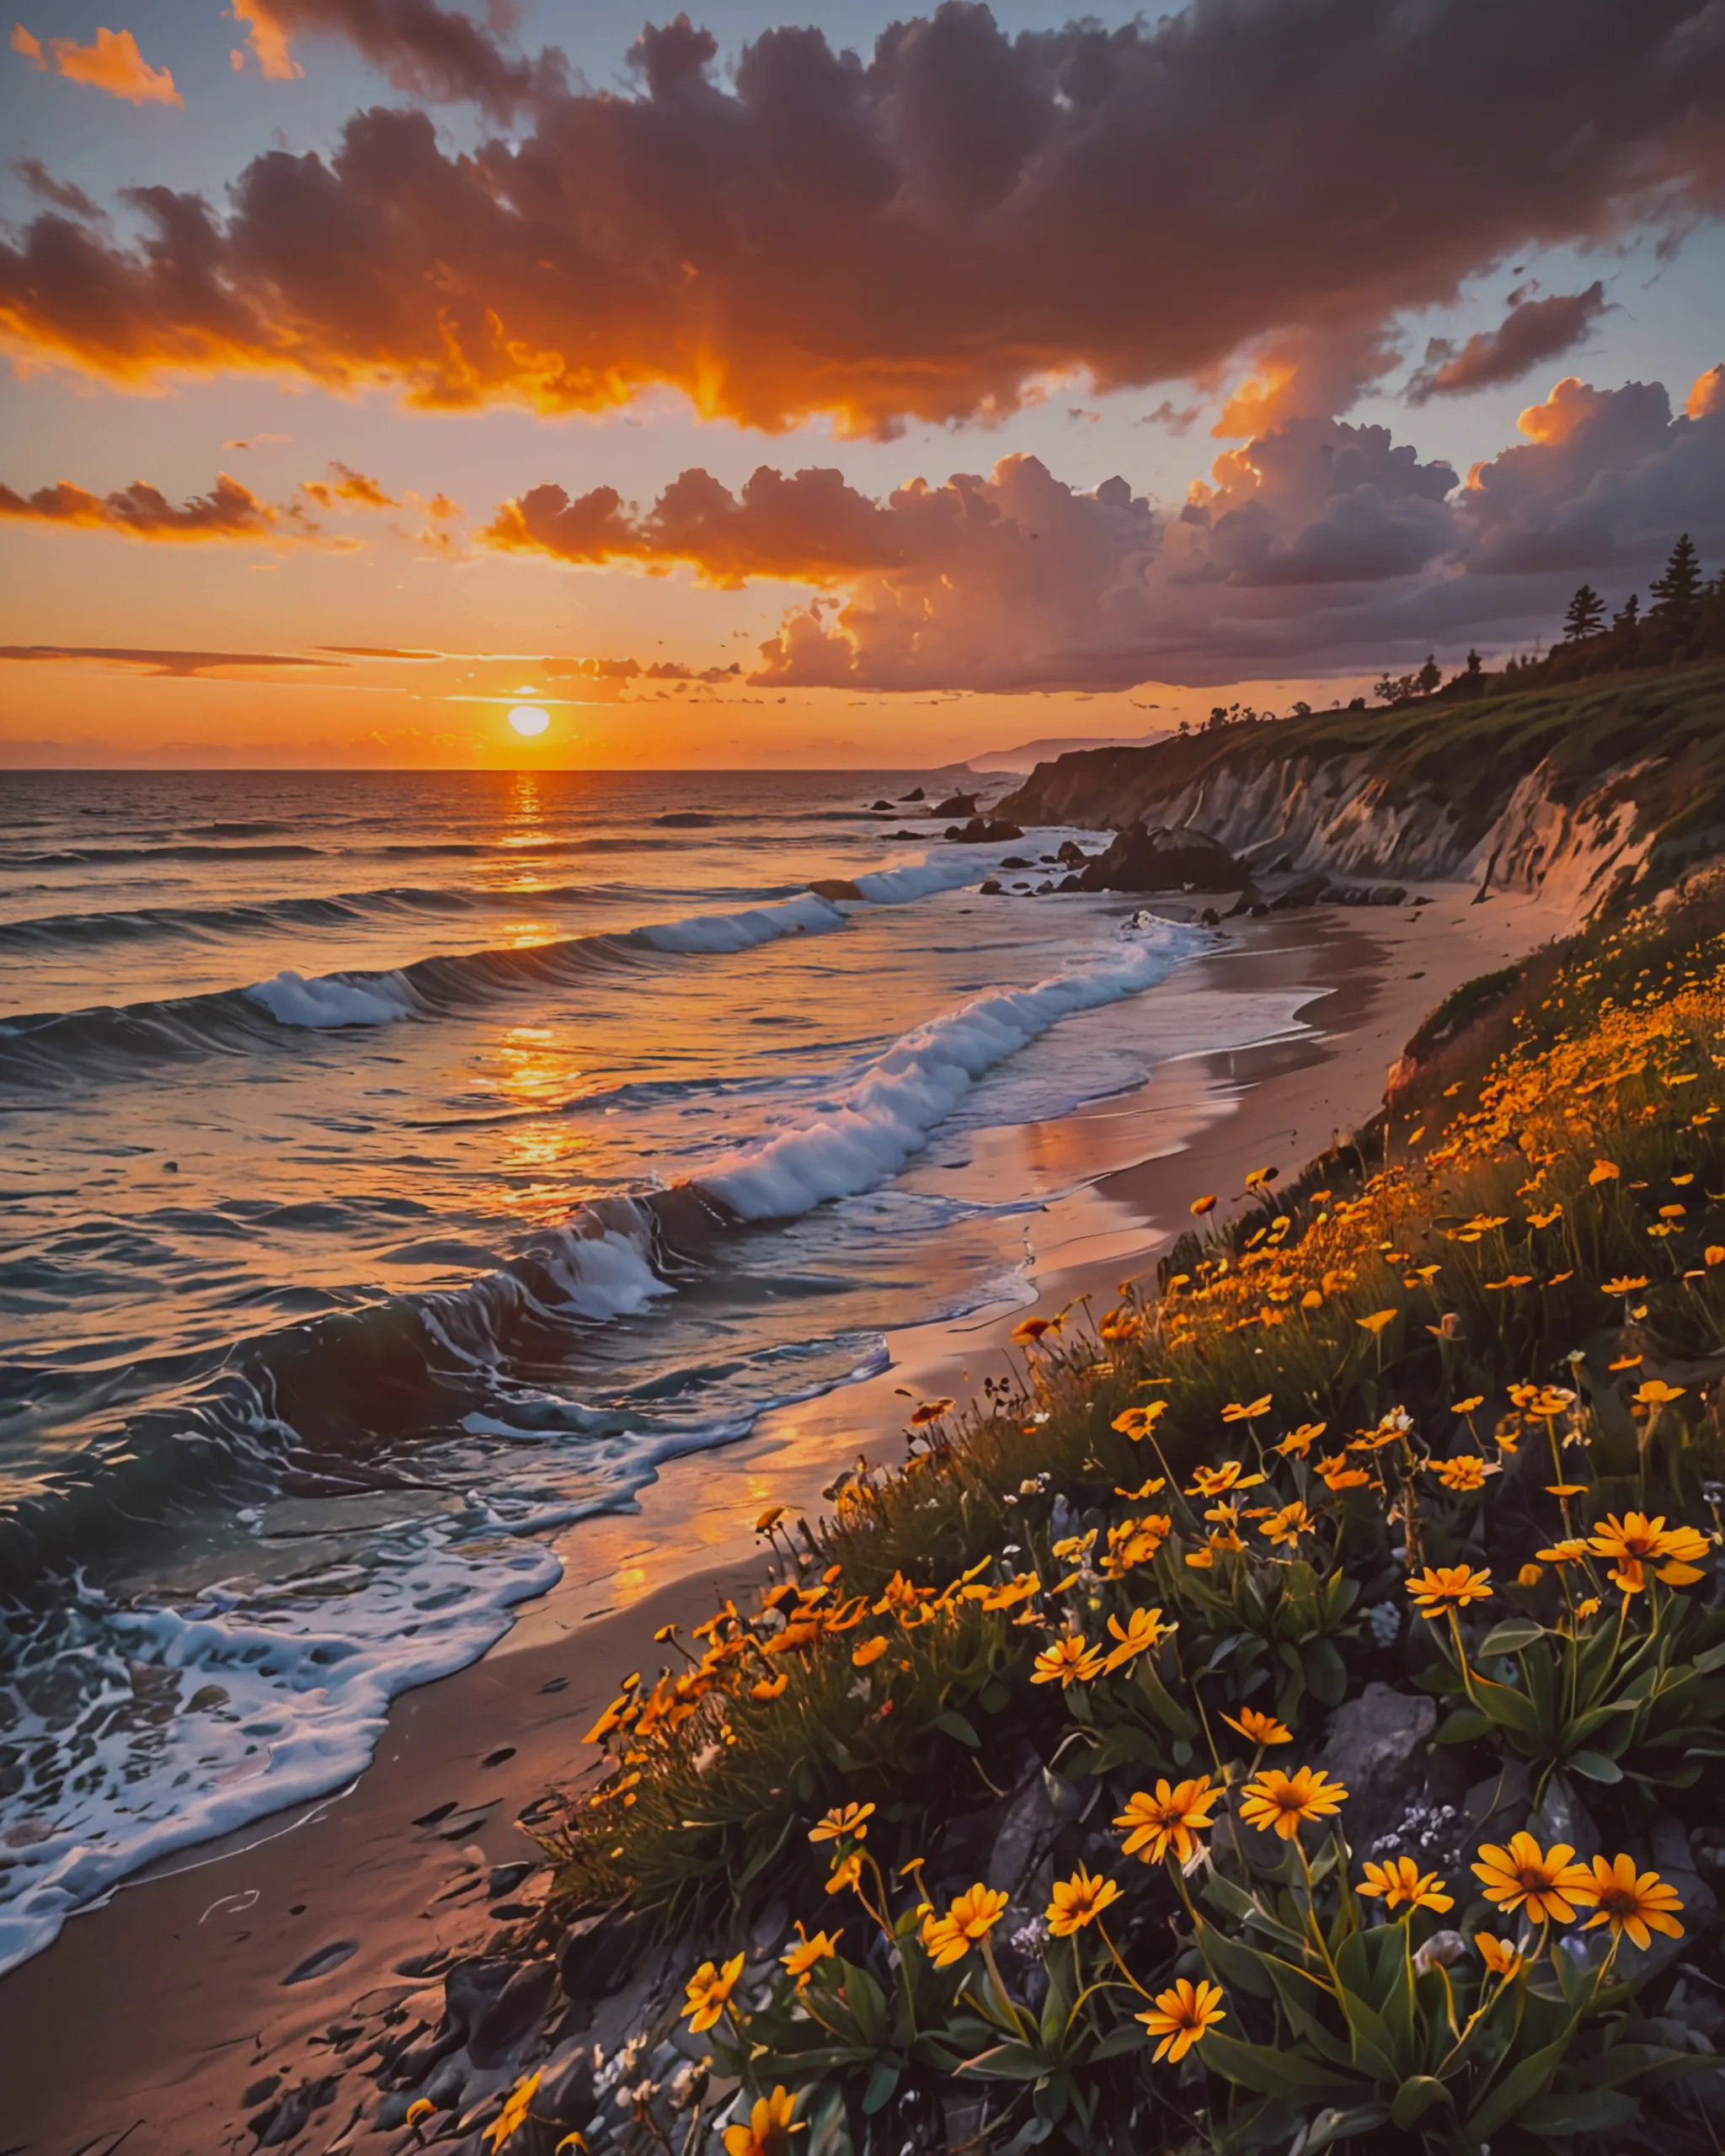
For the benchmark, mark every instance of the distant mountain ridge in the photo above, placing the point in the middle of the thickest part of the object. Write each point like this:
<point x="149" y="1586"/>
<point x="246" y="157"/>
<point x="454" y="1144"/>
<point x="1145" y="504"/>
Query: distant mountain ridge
<point x="1029" y="754"/>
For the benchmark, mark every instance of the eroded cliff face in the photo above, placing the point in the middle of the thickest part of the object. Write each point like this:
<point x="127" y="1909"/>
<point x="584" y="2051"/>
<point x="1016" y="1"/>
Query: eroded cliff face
<point x="1537" y="832"/>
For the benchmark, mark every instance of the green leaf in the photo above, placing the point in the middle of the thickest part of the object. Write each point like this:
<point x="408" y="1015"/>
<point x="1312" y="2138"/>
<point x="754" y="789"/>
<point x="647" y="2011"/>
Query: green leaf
<point x="1581" y="2110"/>
<point x="1415" y="2098"/>
<point x="1525" y="2082"/>
<point x="955" y="1725"/>
<point x="993" y="1696"/>
<point x="1326" y="1673"/>
<point x="1163" y="1705"/>
<point x="1511" y="1638"/>
<point x="1595" y="1766"/>
<point x="881" y="2084"/>
<point x="1009" y="2062"/>
<point x="1334" y="2126"/>
<point x="1464" y="1726"/>
<point x="1710" y="1659"/>
<point x="1272" y="2072"/>
<point x="1234" y="1965"/>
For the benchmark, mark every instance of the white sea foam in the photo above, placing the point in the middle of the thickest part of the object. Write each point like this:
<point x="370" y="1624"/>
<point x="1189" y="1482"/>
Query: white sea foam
<point x="716" y="934"/>
<point x="286" y="1712"/>
<point x="866" y="1135"/>
<point x="327" y="1000"/>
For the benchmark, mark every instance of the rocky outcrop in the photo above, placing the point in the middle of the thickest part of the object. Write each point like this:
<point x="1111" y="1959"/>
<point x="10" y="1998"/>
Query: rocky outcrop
<point x="1164" y="860"/>
<point x="1578" y="794"/>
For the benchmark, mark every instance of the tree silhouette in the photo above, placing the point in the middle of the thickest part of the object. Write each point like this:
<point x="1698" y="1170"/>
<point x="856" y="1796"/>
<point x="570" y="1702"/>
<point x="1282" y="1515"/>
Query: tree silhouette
<point x="1628" y="614"/>
<point x="1586" y="615"/>
<point x="1429" y="676"/>
<point x="1675" y="594"/>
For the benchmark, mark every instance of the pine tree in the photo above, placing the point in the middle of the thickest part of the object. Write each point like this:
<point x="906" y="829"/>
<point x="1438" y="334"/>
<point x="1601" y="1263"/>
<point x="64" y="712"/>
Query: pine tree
<point x="1674" y="593"/>
<point x="1474" y="665"/>
<point x="1429" y="676"/>
<point x="1628" y="614"/>
<point x="1586" y="614"/>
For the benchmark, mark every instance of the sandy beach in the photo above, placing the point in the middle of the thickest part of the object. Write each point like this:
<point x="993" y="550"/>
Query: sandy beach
<point x="159" y="2022"/>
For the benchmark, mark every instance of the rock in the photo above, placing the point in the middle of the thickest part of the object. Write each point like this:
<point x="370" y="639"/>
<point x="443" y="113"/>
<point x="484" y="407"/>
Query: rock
<point x="445" y="2088"/>
<point x="1210" y="918"/>
<point x="1015" y="860"/>
<point x="1305" y="892"/>
<point x="915" y="794"/>
<point x="1072" y="854"/>
<point x="469" y="1989"/>
<point x="983" y="831"/>
<point x="596" y="1956"/>
<point x="834" y="888"/>
<point x="1164" y="860"/>
<point x="1036" y="1812"/>
<point x="1374" y="1747"/>
<point x="518" y="2008"/>
<point x="1069" y="884"/>
<point x="506" y="1878"/>
<point x="566" y="2093"/>
<point x="955" y="804"/>
<point x="877" y="805"/>
<point x="685" y="819"/>
<point x="1364" y="894"/>
<point x="991" y="888"/>
<point x="285" y="2120"/>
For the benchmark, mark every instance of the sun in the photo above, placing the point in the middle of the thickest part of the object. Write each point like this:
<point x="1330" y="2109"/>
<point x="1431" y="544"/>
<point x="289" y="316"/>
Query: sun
<point x="529" y="721"/>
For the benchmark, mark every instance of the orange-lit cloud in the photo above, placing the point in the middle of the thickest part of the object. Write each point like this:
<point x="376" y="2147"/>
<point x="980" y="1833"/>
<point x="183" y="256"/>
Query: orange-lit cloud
<point x="935" y="231"/>
<point x="348" y="486"/>
<point x="229" y="511"/>
<point x="112" y="63"/>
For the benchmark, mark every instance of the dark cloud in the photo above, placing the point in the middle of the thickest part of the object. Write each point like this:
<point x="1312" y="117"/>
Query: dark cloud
<point x="42" y="184"/>
<point x="931" y="232"/>
<point x="176" y="663"/>
<point x="1533" y="332"/>
<point x="229" y="511"/>
<point x="432" y="52"/>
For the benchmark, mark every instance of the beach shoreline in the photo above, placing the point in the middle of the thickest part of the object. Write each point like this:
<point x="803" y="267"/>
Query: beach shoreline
<point x="227" y="1968"/>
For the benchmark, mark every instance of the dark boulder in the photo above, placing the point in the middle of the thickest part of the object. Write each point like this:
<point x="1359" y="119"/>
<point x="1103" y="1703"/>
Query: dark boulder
<point x="991" y="888"/>
<point x="983" y="830"/>
<point x="1069" y="884"/>
<point x="1164" y="860"/>
<point x="833" y="888"/>
<point x="915" y="794"/>
<point x="1306" y="892"/>
<point x="1073" y="855"/>
<point x="1015" y="860"/>
<point x="518" y="2008"/>
<point x="955" y="804"/>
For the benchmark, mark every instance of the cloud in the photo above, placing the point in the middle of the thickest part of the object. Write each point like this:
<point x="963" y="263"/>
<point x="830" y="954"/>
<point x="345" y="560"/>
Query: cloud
<point x="168" y="663"/>
<point x="935" y="231"/>
<point x="1533" y="332"/>
<point x="113" y="63"/>
<point x="42" y="184"/>
<point x="229" y="511"/>
<point x="432" y="52"/>
<point x="1319" y="546"/>
<point x="348" y="486"/>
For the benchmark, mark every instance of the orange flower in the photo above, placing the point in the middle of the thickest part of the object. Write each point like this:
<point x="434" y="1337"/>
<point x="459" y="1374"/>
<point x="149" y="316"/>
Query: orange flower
<point x="1466" y="1471"/>
<point x="770" y="1688"/>
<point x="1401" y="1880"/>
<point x="1640" y="1903"/>
<point x="1141" y="1631"/>
<point x="929" y="1411"/>
<point x="844" y="1822"/>
<point x="1029" y="1330"/>
<point x="870" y="1651"/>
<point x="1201" y="1206"/>
<point x="1546" y="1881"/>
<point x="1181" y="2016"/>
<point x="1079" y="1901"/>
<point x="971" y="1915"/>
<point x="1448" y="1587"/>
<point x="1135" y="1422"/>
<point x="1069" y="1661"/>
<point x="802" y="1959"/>
<point x="1289" y="1524"/>
<point x="1287" y="1802"/>
<point x="769" y="2130"/>
<point x="708" y="1992"/>
<point x="1170" y="1820"/>
<point x="1375" y="1323"/>
<point x="1245" y="1411"/>
<point x="1499" y="1957"/>
<point x="1623" y="1285"/>
<point x="1298" y="1443"/>
<point x="1259" y="1728"/>
<point x="1212" y="1481"/>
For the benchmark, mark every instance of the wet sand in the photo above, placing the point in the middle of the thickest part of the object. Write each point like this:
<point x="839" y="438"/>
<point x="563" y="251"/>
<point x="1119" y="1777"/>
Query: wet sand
<point x="155" y="2023"/>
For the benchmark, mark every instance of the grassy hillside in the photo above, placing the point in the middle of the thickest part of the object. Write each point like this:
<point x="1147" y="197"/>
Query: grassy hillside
<point x="1664" y="728"/>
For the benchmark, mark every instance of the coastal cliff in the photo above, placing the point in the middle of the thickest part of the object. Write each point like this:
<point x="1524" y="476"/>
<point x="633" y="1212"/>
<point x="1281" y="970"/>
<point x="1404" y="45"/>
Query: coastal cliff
<point x="1580" y="793"/>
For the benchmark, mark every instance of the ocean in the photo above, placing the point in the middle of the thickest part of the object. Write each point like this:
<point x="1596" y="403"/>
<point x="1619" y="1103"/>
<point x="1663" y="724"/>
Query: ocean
<point x="398" y="1167"/>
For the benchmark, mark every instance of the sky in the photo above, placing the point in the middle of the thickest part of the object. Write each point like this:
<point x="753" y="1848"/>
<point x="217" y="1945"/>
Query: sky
<point x="829" y="387"/>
